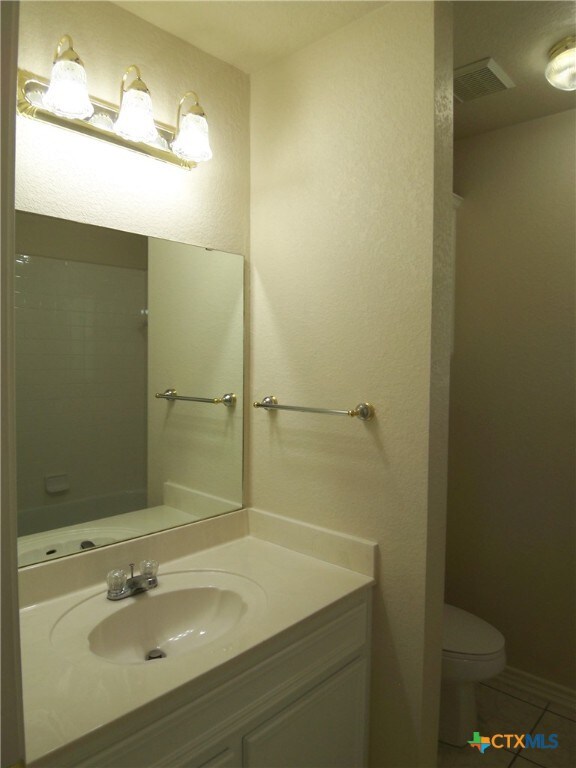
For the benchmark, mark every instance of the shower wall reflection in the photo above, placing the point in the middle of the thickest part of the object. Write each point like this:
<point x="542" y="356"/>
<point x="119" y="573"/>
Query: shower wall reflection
<point x="81" y="362"/>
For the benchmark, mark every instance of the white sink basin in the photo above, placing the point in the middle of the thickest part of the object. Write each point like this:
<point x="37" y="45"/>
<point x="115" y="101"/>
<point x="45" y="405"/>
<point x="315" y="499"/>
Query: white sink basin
<point x="188" y="610"/>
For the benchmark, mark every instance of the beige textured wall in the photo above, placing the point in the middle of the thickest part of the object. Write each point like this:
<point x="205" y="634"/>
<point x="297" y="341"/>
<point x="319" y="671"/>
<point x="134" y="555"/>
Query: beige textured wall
<point x="195" y="344"/>
<point x="342" y="261"/>
<point x="95" y="182"/>
<point x="441" y="344"/>
<point x="511" y="537"/>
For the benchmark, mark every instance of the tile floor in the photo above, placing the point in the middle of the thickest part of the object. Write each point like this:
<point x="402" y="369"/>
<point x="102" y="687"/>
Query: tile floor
<point x="504" y="709"/>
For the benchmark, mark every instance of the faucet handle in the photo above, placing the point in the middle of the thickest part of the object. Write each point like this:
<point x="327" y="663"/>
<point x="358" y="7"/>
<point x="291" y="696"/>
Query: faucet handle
<point x="149" y="568"/>
<point x="116" y="580"/>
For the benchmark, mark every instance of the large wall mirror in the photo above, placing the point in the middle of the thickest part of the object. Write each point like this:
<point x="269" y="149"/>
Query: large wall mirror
<point x="105" y="320"/>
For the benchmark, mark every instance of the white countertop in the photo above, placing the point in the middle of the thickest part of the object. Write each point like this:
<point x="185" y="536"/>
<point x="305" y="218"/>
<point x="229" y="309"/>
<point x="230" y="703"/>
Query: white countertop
<point x="69" y="692"/>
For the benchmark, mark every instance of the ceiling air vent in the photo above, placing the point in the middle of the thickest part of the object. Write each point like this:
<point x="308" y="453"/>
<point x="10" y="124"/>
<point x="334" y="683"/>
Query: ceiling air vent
<point x="480" y="79"/>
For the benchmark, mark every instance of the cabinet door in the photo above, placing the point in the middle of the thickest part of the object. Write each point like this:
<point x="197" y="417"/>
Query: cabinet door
<point x="326" y="728"/>
<point x="226" y="754"/>
<point x="226" y="759"/>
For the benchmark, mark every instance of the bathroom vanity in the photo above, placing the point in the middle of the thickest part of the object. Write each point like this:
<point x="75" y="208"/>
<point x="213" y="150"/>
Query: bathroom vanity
<point x="273" y="671"/>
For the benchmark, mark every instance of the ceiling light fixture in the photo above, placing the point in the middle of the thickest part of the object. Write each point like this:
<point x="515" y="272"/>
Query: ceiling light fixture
<point x="561" y="68"/>
<point x="64" y="101"/>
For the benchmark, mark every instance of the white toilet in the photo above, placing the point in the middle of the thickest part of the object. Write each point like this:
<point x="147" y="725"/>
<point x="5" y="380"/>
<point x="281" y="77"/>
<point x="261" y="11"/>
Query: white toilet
<point x="472" y="650"/>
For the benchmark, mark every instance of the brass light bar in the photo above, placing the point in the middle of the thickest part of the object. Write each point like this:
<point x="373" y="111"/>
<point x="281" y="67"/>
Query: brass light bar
<point x="29" y="84"/>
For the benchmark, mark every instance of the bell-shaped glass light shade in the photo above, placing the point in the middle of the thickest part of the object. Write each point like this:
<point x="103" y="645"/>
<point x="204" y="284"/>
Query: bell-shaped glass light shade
<point x="136" y="120"/>
<point x="192" y="141"/>
<point x="561" y="69"/>
<point x="67" y="94"/>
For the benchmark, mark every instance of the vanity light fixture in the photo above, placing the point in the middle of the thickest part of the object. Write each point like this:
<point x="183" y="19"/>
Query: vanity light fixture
<point x="64" y="101"/>
<point x="191" y="142"/>
<point x="135" y="121"/>
<point x="67" y="94"/>
<point x="561" y="68"/>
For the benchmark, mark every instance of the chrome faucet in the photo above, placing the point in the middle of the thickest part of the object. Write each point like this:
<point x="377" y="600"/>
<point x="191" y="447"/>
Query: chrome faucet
<point x="120" y="585"/>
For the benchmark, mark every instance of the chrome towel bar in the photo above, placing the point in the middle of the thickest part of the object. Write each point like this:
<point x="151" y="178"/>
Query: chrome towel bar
<point x="363" y="411"/>
<point x="170" y="394"/>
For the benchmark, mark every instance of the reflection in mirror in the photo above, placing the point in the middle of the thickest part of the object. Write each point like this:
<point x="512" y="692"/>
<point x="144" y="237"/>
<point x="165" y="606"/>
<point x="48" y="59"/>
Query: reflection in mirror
<point x="104" y="321"/>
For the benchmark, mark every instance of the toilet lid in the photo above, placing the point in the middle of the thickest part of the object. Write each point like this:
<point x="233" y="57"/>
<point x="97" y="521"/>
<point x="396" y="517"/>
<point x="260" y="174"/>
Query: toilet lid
<point x="467" y="634"/>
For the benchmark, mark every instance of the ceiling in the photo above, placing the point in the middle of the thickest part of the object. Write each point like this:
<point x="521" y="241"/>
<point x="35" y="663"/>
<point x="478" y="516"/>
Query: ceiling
<point x="516" y="33"/>
<point x="249" y="33"/>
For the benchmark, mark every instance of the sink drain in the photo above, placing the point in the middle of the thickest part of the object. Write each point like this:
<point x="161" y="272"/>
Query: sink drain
<point x="155" y="653"/>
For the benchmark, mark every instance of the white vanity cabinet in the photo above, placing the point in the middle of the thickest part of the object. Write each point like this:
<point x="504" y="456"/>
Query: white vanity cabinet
<point x="298" y="700"/>
<point x="325" y="728"/>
